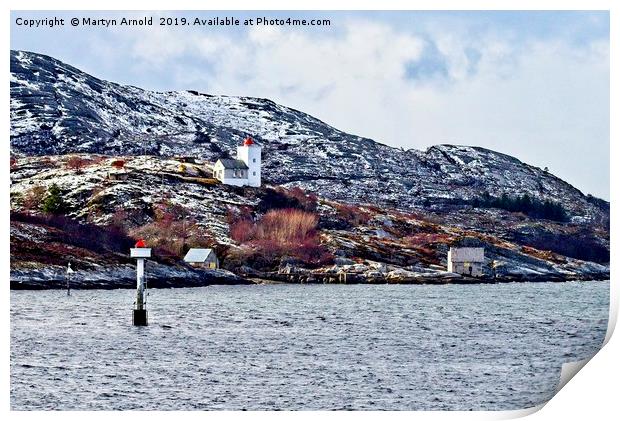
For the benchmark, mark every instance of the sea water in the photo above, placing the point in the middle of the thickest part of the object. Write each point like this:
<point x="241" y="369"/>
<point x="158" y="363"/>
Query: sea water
<point x="303" y="347"/>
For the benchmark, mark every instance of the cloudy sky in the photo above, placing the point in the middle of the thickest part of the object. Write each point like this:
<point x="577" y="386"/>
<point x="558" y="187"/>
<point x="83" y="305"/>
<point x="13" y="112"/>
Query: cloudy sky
<point x="534" y="85"/>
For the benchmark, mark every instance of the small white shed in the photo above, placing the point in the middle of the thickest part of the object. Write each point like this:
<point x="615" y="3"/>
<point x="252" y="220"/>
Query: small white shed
<point x="205" y="258"/>
<point x="466" y="260"/>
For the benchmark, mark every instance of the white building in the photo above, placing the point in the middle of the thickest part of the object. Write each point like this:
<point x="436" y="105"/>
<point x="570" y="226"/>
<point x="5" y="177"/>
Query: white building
<point x="243" y="171"/>
<point x="205" y="258"/>
<point x="466" y="260"/>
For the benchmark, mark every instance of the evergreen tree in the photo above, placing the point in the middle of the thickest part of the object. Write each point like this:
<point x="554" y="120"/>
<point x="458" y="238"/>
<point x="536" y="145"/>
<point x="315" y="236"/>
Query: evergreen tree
<point x="532" y="207"/>
<point x="53" y="203"/>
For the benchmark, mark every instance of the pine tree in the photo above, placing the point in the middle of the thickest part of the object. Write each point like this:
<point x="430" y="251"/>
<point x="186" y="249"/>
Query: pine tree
<point x="54" y="202"/>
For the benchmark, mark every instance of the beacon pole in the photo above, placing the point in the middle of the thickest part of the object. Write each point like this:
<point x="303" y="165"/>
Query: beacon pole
<point x="68" y="276"/>
<point x="140" y="252"/>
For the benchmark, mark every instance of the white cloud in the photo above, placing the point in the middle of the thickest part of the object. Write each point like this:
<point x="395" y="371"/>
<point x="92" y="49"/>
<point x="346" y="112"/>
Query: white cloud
<point x="264" y="35"/>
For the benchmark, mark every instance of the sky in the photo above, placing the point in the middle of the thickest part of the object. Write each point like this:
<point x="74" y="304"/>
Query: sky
<point x="532" y="84"/>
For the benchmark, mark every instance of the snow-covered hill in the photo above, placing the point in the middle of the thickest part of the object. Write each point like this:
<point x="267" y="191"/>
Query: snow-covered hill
<point x="58" y="109"/>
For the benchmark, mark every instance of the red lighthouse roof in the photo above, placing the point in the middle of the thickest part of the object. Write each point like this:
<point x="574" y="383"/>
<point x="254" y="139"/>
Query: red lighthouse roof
<point x="248" y="141"/>
<point x="140" y="243"/>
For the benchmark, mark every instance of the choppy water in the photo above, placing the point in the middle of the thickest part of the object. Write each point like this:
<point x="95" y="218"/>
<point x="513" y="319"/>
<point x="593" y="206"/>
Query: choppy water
<point x="303" y="346"/>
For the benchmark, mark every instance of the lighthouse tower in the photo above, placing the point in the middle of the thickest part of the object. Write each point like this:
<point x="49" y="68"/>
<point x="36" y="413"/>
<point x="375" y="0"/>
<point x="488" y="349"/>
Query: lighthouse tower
<point x="250" y="153"/>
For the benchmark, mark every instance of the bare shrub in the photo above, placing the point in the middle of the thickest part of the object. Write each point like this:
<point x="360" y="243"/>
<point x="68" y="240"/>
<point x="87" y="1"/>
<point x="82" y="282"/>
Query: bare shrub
<point x="234" y="214"/>
<point x="77" y="163"/>
<point x="352" y="214"/>
<point x="173" y="232"/>
<point x="118" y="163"/>
<point x="33" y="198"/>
<point x="98" y="159"/>
<point x="282" y="232"/>
<point x="242" y="231"/>
<point x="286" y="225"/>
<point x="306" y="201"/>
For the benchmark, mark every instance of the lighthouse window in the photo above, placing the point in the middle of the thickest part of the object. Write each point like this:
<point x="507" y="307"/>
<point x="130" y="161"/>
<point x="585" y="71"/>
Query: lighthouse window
<point x="253" y="172"/>
<point x="253" y="159"/>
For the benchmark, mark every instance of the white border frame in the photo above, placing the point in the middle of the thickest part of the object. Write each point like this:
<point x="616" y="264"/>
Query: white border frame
<point x="592" y="393"/>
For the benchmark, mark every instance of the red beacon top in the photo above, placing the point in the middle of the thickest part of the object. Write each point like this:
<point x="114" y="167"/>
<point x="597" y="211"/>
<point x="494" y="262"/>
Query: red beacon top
<point x="248" y="141"/>
<point x="141" y="244"/>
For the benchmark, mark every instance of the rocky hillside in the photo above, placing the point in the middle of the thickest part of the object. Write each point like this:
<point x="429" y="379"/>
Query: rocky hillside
<point x="58" y="109"/>
<point x="95" y="165"/>
<point x="175" y="205"/>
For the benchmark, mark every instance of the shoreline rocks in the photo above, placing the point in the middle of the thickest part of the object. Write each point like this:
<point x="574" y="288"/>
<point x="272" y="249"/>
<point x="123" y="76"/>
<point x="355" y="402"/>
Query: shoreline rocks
<point x="121" y="276"/>
<point x="160" y="276"/>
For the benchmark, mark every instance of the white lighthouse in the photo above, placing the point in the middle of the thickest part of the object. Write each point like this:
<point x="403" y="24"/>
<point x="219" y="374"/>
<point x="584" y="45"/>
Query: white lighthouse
<point x="243" y="171"/>
<point x="250" y="153"/>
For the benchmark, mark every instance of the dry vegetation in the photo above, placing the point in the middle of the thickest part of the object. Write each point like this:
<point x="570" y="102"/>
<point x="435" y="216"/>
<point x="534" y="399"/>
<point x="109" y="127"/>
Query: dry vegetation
<point x="77" y="163"/>
<point x="543" y="254"/>
<point x="64" y="239"/>
<point x="173" y="231"/>
<point x="352" y="214"/>
<point x="118" y="163"/>
<point x="280" y="233"/>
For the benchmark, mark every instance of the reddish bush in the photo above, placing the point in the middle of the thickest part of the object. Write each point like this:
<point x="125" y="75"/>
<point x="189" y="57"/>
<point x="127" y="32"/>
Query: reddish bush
<point x="118" y="163"/>
<point x="173" y="231"/>
<point x="312" y="251"/>
<point x="307" y="201"/>
<point x="234" y="215"/>
<point x="281" y="198"/>
<point x="242" y="231"/>
<point x="167" y="212"/>
<point x="280" y="232"/>
<point x="286" y="225"/>
<point x="33" y="198"/>
<point x="352" y="214"/>
<point x="77" y="163"/>
<point x="174" y="238"/>
<point x="281" y="225"/>
<point x="268" y="250"/>
<point x="99" y="159"/>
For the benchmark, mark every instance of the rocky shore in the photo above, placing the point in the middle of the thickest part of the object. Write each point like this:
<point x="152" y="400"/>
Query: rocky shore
<point x="121" y="276"/>
<point x="161" y="276"/>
